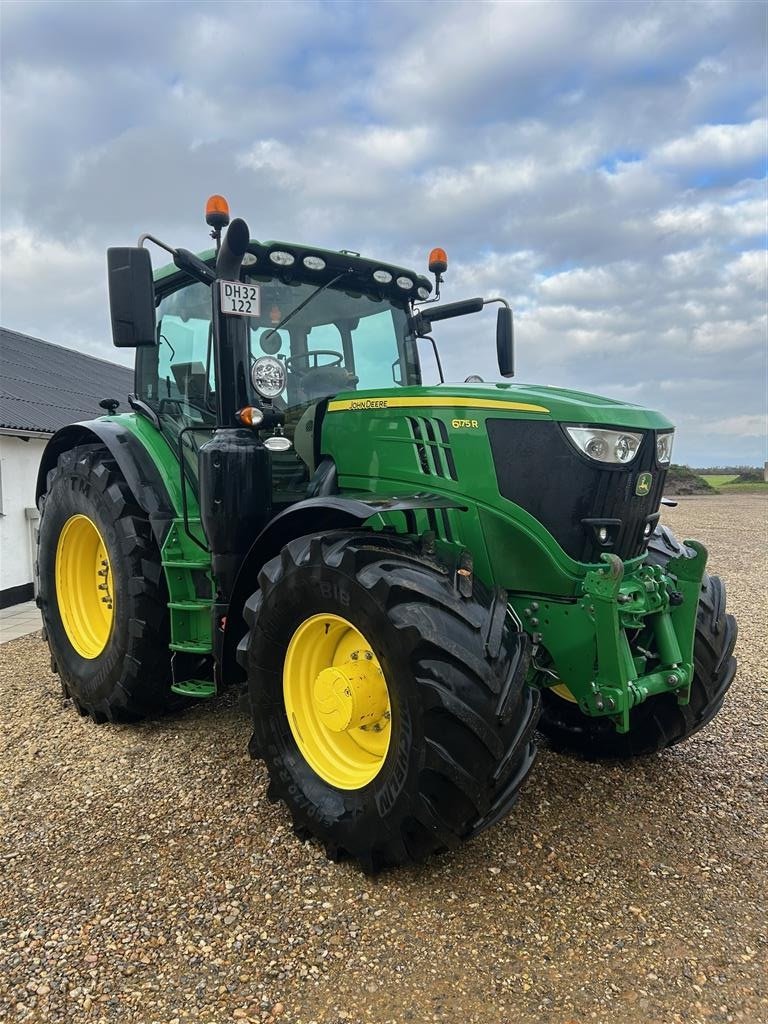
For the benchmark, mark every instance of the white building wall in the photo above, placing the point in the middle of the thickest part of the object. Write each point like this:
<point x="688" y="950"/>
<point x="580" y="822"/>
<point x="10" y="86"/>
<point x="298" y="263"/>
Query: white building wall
<point x="19" y="461"/>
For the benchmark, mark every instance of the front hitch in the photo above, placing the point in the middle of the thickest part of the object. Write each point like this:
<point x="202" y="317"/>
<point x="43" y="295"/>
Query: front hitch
<point x="666" y="602"/>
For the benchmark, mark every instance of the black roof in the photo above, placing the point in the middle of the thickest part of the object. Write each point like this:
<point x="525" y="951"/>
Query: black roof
<point x="44" y="387"/>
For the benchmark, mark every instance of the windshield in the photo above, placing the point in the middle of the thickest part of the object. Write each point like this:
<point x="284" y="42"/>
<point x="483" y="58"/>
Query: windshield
<point x="338" y="341"/>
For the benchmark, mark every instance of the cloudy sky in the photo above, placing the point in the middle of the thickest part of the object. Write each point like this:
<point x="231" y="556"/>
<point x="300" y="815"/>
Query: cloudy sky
<point x="601" y="164"/>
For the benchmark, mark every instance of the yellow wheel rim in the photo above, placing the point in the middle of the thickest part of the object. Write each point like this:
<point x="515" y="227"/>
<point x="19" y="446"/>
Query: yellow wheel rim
<point x="84" y="586"/>
<point x="337" y="701"/>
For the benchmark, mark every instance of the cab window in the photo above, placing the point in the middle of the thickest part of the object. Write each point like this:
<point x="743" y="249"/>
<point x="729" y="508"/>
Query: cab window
<point x="176" y="378"/>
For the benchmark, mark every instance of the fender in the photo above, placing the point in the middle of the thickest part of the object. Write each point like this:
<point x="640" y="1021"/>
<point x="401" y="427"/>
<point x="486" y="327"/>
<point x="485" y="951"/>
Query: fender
<point x="313" y="515"/>
<point x="135" y="463"/>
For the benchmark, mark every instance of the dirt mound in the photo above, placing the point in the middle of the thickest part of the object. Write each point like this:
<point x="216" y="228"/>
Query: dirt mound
<point x="749" y="476"/>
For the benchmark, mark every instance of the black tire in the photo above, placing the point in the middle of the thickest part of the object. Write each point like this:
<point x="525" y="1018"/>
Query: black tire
<point x="659" y="722"/>
<point x="463" y="718"/>
<point x="131" y="677"/>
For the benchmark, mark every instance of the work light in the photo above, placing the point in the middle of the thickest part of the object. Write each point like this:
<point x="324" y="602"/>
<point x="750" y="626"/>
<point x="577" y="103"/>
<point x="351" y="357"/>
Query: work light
<point x="282" y="259"/>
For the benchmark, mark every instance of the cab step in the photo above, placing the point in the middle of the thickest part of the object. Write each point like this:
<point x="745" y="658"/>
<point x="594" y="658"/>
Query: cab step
<point x="189" y="647"/>
<point x="190" y="590"/>
<point x="200" y="689"/>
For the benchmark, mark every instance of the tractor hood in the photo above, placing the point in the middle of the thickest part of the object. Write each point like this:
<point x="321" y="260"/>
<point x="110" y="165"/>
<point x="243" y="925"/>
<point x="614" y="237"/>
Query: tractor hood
<point x="527" y="401"/>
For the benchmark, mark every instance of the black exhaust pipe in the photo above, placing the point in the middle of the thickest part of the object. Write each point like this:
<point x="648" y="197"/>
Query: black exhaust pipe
<point x="232" y="250"/>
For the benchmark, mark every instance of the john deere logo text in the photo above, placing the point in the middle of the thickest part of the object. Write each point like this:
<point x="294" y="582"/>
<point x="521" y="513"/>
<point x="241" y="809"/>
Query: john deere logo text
<point x="643" y="485"/>
<point x="369" y="403"/>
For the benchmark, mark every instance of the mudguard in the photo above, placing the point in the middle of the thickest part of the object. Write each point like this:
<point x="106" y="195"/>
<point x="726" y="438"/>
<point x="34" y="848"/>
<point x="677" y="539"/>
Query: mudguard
<point x="314" y="515"/>
<point x="135" y="463"/>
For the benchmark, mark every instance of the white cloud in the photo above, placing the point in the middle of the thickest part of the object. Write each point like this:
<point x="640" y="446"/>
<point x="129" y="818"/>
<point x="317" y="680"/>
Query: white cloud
<point x="741" y="426"/>
<point x="715" y="145"/>
<point x="730" y="335"/>
<point x="746" y="219"/>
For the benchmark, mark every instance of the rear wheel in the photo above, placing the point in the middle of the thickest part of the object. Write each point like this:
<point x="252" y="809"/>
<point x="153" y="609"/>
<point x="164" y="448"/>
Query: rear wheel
<point x="102" y="592"/>
<point x="392" y="712"/>
<point x="660" y="721"/>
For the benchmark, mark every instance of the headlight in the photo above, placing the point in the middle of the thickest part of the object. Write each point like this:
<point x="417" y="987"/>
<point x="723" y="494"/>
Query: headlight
<point x="613" y="446"/>
<point x="664" y="447"/>
<point x="268" y="376"/>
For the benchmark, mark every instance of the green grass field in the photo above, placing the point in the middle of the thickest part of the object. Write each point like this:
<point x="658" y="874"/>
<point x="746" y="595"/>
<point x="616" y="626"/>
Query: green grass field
<point x="725" y="484"/>
<point x="716" y="480"/>
<point x="761" y="487"/>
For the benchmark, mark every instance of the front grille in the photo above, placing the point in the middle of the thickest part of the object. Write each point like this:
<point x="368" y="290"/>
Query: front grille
<point x="433" y="447"/>
<point x="571" y="495"/>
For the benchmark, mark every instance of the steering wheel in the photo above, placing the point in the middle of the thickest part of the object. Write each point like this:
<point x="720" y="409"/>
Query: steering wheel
<point x="337" y="359"/>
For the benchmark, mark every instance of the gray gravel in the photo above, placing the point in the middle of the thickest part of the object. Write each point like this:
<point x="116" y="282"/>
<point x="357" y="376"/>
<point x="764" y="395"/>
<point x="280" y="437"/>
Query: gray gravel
<point x="144" y="877"/>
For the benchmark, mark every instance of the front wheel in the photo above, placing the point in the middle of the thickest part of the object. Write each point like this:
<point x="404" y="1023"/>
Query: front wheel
<point x="101" y="591"/>
<point x="392" y="711"/>
<point x="660" y="721"/>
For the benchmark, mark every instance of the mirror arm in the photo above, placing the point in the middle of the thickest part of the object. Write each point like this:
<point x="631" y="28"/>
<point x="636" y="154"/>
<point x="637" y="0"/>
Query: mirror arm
<point x="151" y="238"/>
<point x="487" y="302"/>
<point x="184" y="260"/>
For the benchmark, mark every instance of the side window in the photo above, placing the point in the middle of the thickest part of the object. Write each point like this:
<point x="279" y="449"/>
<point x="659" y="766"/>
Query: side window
<point x="185" y="366"/>
<point x="177" y="377"/>
<point x="381" y="359"/>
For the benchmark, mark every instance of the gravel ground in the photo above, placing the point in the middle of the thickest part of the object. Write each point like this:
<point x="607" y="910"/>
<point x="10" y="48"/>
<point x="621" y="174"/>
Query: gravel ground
<point x="145" y="878"/>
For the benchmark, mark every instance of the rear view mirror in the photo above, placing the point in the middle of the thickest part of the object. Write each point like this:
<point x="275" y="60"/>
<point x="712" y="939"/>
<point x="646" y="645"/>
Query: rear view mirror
<point x="131" y="297"/>
<point x="505" y="342"/>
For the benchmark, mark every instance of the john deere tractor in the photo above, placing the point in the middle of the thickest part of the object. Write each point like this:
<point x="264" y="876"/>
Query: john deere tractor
<point x="406" y="577"/>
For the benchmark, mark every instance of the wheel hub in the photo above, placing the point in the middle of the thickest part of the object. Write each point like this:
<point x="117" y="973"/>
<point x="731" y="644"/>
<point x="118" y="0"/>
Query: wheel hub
<point x="352" y="695"/>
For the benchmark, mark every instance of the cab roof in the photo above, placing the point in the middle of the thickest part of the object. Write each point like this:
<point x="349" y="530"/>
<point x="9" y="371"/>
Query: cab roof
<point x="361" y="270"/>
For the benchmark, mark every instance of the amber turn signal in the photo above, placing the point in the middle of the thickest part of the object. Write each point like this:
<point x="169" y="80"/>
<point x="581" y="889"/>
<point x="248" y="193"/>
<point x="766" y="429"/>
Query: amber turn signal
<point x="217" y="212"/>
<point x="438" y="261"/>
<point x="250" y="416"/>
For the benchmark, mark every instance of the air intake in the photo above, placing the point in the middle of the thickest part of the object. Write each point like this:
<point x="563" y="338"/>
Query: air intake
<point x="433" y="449"/>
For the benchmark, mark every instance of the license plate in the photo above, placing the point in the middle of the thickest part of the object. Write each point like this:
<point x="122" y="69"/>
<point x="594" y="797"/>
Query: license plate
<point x="240" y="299"/>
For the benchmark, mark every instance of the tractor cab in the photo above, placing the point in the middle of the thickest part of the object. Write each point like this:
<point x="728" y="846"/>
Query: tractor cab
<point x="311" y="333"/>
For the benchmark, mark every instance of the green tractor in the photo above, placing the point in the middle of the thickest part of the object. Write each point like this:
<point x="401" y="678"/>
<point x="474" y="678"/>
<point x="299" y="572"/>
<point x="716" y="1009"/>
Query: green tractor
<point x="408" y="579"/>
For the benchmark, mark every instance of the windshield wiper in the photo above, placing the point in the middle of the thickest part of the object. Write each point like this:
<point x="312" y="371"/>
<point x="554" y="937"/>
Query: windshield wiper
<point x="305" y="302"/>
